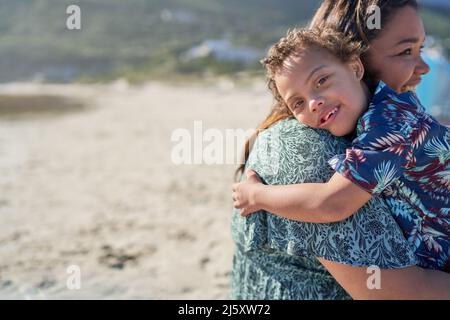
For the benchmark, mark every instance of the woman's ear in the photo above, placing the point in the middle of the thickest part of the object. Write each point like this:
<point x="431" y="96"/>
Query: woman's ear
<point x="357" y="68"/>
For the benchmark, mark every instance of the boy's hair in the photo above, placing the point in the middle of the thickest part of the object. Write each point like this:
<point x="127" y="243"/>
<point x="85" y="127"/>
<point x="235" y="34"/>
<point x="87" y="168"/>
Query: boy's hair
<point x="297" y="40"/>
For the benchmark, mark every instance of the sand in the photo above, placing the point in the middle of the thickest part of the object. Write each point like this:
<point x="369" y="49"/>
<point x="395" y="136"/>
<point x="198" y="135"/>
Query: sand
<point x="87" y="180"/>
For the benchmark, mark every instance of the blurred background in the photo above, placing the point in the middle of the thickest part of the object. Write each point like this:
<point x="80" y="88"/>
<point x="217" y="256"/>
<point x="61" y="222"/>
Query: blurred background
<point x="86" y="119"/>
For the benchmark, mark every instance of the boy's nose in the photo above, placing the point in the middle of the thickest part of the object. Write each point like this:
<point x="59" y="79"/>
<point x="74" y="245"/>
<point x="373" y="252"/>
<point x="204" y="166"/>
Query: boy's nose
<point x="315" y="104"/>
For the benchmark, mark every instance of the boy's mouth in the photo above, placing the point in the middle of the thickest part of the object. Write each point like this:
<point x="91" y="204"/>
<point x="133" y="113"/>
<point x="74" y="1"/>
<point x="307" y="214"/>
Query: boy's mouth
<point x="328" y="116"/>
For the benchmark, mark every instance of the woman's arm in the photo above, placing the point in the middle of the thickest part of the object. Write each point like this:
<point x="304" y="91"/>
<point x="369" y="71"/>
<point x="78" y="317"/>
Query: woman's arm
<point x="404" y="283"/>
<point x="333" y="201"/>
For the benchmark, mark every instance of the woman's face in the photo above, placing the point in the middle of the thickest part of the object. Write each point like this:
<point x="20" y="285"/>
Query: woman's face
<point x="395" y="55"/>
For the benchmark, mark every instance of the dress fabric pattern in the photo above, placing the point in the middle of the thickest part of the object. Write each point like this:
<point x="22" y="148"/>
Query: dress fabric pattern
<point x="403" y="154"/>
<point x="275" y="258"/>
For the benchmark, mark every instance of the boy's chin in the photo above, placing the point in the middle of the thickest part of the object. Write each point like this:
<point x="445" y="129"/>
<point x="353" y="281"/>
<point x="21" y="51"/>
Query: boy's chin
<point x="334" y="132"/>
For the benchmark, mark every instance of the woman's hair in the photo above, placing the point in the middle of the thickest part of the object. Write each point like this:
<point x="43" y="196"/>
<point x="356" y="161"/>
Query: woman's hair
<point x="335" y="43"/>
<point x="350" y="18"/>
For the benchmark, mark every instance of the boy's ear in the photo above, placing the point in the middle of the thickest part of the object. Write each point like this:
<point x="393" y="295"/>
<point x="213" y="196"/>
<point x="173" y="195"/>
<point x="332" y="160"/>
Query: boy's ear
<point x="357" y="67"/>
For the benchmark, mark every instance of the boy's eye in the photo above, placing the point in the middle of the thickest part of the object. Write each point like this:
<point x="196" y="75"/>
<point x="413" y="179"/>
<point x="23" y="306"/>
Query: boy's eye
<point x="322" y="81"/>
<point x="297" y="104"/>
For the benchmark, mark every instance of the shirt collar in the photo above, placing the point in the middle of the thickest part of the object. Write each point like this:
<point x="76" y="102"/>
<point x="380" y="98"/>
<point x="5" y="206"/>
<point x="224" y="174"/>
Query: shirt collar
<point x="382" y="91"/>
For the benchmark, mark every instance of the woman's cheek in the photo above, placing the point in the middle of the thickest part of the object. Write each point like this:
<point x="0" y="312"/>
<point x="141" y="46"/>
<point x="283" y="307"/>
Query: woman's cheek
<point x="393" y="78"/>
<point x="391" y="70"/>
<point x="406" y="67"/>
<point x="404" y="72"/>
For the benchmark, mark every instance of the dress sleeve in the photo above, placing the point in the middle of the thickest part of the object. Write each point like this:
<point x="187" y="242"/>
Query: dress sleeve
<point x="289" y="153"/>
<point x="375" y="160"/>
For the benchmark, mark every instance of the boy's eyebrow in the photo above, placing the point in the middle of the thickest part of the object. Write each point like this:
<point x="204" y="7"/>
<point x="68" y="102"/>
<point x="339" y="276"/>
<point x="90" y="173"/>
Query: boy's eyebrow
<point x="307" y="79"/>
<point x="314" y="71"/>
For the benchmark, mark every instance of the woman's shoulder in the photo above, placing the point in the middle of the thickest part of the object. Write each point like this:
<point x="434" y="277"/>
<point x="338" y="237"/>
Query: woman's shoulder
<point x="294" y="137"/>
<point x="288" y="150"/>
<point x="292" y="128"/>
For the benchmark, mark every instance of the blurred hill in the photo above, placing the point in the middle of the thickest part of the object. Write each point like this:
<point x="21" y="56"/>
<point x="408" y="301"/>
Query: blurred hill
<point x="141" y="39"/>
<point x="437" y="3"/>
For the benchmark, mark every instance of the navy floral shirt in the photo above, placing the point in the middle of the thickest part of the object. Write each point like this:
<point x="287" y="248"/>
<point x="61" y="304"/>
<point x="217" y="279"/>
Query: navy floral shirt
<point x="403" y="154"/>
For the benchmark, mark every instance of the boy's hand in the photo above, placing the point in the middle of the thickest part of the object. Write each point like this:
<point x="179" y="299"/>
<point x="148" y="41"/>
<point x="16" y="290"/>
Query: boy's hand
<point x="244" y="193"/>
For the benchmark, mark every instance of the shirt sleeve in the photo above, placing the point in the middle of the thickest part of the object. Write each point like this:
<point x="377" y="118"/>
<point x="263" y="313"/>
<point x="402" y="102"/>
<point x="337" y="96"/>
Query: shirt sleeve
<point x="289" y="153"/>
<point x="375" y="160"/>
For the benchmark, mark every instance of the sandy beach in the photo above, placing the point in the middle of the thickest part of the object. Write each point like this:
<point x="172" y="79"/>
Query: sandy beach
<point x="87" y="180"/>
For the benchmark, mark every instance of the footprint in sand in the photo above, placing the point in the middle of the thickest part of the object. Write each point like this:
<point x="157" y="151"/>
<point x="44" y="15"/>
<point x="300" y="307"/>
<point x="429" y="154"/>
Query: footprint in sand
<point x="46" y="284"/>
<point x="117" y="258"/>
<point x="204" y="261"/>
<point x="182" y="235"/>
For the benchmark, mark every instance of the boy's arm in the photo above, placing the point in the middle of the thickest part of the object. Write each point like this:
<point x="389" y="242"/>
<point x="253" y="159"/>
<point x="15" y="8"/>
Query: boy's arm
<point x="333" y="201"/>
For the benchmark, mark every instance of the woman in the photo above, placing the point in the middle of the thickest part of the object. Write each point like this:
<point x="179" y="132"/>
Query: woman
<point x="280" y="259"/>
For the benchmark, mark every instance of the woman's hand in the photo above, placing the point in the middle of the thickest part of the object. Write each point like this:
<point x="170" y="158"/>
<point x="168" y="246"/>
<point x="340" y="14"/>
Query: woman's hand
<point x="244" y="194"/>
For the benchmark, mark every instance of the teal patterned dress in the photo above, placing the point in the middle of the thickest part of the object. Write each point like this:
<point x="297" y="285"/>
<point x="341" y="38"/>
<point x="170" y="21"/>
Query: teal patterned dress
<point x="275" y="258"/>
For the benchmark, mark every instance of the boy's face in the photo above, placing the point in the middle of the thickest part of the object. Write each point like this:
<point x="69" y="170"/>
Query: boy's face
<point x="323" y="92"/>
